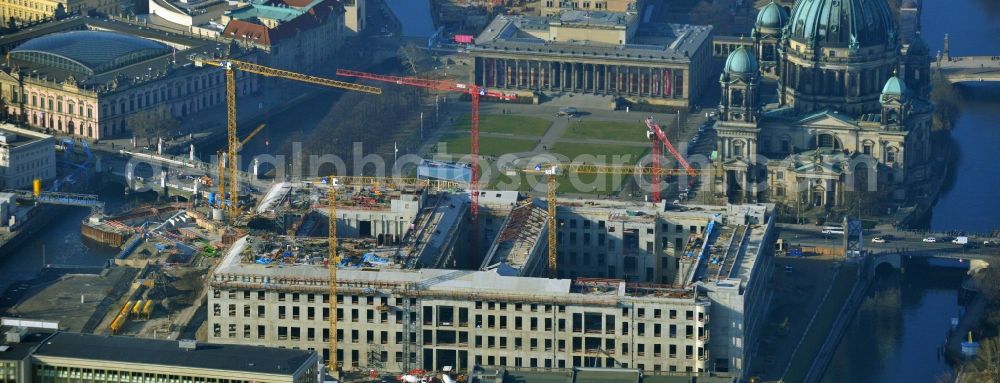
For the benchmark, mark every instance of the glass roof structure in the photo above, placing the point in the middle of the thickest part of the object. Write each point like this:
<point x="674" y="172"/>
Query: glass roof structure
<point x="88" y="52"/>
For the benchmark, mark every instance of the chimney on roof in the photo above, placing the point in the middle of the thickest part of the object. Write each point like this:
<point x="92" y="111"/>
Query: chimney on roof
<point x="16" y="334"/>
<point x="187" y="344"/>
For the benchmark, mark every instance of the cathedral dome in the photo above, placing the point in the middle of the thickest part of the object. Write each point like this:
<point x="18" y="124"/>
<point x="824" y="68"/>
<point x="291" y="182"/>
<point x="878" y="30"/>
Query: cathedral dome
<point x="893" y="87"/>
<point x="842" y="23"/>
<point x="741" y="62"/>
<point x="772" y="16"/>
<point x="918" y="47"/>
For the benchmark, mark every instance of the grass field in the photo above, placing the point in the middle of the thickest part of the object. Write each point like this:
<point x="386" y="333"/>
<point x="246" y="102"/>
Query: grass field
<point x="502" y="123"/>
<point x="820" y="328"/>
<point x="628" y="154"/>
<point x="607" y="130"/>
<point x="586" y="184"/>
<point x="460" y="144"/>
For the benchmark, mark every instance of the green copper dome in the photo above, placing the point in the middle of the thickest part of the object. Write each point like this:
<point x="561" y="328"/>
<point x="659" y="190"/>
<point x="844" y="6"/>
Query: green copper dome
<point x="741" y="61"/>
<point x="894" y="87"/>
<point x="842" y="23"/>
<point x="772" y="16"/>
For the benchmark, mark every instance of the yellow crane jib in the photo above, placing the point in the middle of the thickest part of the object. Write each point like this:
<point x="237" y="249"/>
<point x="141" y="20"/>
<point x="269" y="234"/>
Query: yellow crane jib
<point x="332" y="260"/>
<point x="230" y="66"/>
<point x="254" y="68"/>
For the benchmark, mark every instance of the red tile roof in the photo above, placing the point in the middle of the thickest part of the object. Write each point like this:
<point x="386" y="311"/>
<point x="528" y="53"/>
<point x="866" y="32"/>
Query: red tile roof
<point x="316" y="16"/>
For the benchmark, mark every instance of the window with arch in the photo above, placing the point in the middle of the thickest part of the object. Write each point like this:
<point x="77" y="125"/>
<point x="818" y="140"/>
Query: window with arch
<point x="892" y="117"/>
<point x="738" y="148"/>
<point x="828" y="141"/>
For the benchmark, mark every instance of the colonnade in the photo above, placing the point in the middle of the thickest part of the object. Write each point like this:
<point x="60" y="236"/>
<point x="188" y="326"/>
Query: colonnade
<point x="604" y="79"/>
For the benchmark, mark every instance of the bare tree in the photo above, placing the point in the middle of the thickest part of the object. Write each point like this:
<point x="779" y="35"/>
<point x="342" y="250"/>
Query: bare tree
<point x="413" y="57"/>
<point x="152" y="123"/>
<point x="988" y="360"/>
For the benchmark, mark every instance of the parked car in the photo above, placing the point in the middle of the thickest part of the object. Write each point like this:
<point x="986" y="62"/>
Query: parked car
<point x="567" y="111"/>
<point x="930" y="240"/>
<point x="878" y="240"/>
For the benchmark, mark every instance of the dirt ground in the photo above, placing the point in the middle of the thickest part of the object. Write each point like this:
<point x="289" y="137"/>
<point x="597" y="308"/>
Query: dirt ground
<point x="797" y="296"/>
<point x="176" y="293"/>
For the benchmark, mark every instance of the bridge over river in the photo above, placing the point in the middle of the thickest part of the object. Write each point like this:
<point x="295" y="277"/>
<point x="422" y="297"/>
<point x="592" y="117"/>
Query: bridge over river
<point x="958" y="69"/>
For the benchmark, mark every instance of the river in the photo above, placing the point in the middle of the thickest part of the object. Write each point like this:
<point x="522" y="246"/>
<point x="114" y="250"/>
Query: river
<point x="904" y="319"/>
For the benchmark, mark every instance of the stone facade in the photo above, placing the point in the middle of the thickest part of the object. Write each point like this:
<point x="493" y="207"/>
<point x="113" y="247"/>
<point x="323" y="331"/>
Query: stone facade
<point x="551" y="7"/>
<point x="613" y="55"/>
<point x="851" y="111"/>
<point x="95" y="106"/>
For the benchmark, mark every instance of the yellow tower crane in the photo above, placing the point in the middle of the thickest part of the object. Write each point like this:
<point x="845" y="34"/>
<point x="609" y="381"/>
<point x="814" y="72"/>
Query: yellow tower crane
<point x="553" y="171"/>
<point x="332" y="259"/>
<point x="333" y="187"/>
<point x="230" y="67"/>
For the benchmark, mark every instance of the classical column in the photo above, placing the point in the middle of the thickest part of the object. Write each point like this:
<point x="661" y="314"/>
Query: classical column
<point x="651" y="82"/>
<point x="628" y="80"/>
<point x="506" y="65"/>
<point x="621" y="81"/>
<point x="572" y="85"/>
<point x="596" y="81"/>
<point x="607" y="80"/>
<point x="496" y="81"/>
<point x="563" y="82"/>
<point x="482" y="66"/>
<point x="518" y="72"/>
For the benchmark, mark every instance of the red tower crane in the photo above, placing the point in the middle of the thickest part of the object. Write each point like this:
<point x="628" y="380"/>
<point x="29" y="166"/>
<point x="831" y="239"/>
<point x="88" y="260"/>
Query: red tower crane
<point x="473" y="90"/>
<point x="659" y="139"/>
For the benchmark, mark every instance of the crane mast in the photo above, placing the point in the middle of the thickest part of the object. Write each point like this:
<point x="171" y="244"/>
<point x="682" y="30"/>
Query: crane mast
<point x="230" y="67"/>
<point x="475" y="92"/>
<point x="659" y="140"/>
<point x="332" y="260"/>
<point x="551" y="172"/>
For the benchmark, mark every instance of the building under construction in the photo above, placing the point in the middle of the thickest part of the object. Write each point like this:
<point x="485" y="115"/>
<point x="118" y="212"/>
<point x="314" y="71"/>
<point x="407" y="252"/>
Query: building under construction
<point x="641" y="286"/>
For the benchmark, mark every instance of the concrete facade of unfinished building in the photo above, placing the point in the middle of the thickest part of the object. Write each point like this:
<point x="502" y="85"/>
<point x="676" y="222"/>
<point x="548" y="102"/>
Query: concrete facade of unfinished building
<point x="723" y="252"/>
<point x="600" y="53"/>
<point x="387" y="224"/>
<point x="25" y="155"/>
<point x="395" y="318"/>
<point x="400" y="319"/>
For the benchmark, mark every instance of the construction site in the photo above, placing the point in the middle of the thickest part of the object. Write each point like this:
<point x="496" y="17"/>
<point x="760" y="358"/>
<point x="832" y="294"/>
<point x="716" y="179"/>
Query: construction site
<point x="410" y="275"/>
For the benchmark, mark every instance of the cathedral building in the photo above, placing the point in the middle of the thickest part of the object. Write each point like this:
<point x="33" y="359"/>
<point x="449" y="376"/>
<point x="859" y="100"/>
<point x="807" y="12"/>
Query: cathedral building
<point x="850" y="113"/>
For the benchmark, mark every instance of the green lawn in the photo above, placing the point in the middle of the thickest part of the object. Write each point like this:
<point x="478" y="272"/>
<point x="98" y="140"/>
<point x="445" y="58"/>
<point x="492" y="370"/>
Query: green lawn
<point x="503" y="123"/>
<point x="584" y="183"/>
<point x="492" y="146"/>
<point x="607" y="130"/>
<point x="820" y="328"/>
<point x="626" y="154"/>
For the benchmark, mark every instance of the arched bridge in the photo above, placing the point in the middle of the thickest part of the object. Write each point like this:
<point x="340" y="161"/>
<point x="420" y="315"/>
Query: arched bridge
<point x="969" y="68"/>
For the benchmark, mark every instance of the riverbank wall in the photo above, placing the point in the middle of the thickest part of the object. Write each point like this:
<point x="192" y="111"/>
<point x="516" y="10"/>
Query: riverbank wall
<point x="866" y="276"/>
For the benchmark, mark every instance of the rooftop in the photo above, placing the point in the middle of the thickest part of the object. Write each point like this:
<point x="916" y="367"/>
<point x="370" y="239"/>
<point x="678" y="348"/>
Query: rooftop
<point x="88" y="52"/>
<point x="467" y="284"/>
<point x="20" y="350"/>
<point x="12" y="136"/>
<point x="134" y="72"/>
<point x="652" y="42"/>
<point x="120" y="349"/>
<point x="523" y="231"/>
<point x="594" y="19"/>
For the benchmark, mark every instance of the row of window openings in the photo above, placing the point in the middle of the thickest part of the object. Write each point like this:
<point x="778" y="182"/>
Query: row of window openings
<point x="428" y="310"/>
<point x="150" y="98"/>
<point x="665" y="227"/>
<point x="579" y="344"/>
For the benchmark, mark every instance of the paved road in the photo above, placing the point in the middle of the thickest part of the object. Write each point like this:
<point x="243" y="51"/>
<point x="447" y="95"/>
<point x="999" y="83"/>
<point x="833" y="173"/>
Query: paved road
<point x="811" y="235"/>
